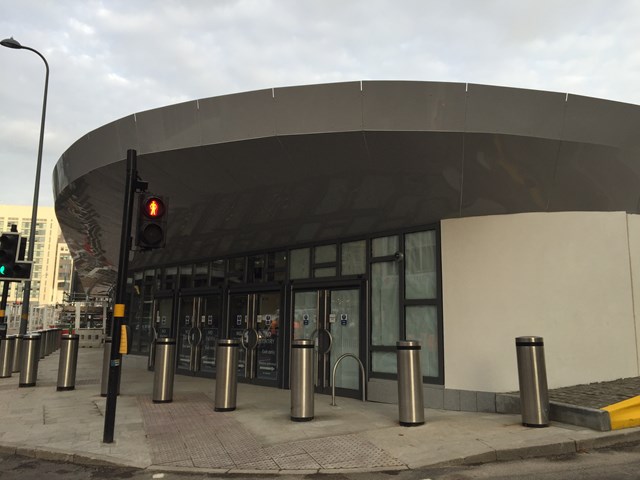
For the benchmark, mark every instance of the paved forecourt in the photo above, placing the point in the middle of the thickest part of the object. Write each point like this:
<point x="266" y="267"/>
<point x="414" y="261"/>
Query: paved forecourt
<point x="258" y="436"/>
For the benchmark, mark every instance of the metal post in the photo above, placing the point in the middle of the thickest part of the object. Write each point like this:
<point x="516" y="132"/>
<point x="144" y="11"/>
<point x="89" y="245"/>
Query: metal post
<point x="34" y="212"/>
<point x="29" y="360"/>
<point x="410" y="396"/>
<point x="7" y="346"/>
<point x="226" y="375"/>
<point x="164" y="371"/>
<point x="3" y="304"/>
<point x="532" y="377"/>
<point x="68" y="362"/>
<point x="302" y="394"/>
<point x="17" y="353"/>
<point x="121" y="290"/>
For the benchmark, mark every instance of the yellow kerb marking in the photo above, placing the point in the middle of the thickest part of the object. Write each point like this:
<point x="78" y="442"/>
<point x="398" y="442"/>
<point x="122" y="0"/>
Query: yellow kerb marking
<point x="118" y="310"/>
<point x="625" y="414"/>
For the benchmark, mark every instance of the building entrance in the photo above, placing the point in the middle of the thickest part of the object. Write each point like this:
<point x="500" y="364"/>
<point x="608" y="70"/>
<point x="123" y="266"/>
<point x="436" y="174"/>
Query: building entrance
<point x="198" y="331"/>
<point x="254" y="319"/>
<point x="332" y="318"/>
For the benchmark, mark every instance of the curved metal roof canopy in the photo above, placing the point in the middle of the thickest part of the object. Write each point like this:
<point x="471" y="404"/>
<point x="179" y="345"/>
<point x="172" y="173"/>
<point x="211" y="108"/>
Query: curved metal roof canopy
<point x="273" y="168"/>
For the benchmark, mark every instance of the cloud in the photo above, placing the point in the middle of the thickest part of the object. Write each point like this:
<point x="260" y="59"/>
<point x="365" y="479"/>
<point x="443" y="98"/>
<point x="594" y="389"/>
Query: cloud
<point x="113" y="58"/>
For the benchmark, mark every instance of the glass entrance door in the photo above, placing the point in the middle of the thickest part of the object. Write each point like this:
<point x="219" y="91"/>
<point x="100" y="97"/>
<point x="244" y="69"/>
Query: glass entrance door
<point x="331" y="317"/>
<point x="254" y="319"/>
<point x="198" y="332"/>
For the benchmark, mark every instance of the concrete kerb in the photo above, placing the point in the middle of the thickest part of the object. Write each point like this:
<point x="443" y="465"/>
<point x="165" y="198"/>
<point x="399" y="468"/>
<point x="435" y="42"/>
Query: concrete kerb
<point x="630" y="436"/>
<point x="592" y="418"/>
<point x="58" y="455"/>
<point x="543" y="450"/>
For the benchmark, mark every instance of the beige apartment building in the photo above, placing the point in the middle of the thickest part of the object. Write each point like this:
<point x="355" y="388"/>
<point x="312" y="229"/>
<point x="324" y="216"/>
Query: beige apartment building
<point x="52" y="269"/>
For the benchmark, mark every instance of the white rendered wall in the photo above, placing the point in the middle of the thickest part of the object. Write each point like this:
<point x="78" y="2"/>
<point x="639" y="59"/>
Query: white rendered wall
<point x="563" y="276"/>
<point x="633" y="224"/>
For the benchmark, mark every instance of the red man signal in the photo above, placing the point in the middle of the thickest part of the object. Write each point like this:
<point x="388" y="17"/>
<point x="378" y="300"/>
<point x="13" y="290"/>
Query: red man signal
<point x="152" y="220"/>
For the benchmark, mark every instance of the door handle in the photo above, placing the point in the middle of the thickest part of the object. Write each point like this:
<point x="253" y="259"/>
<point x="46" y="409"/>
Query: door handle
<point x="330" y="341"/>
<point x="197" y="331"/>
<point x="190" y="336"/>
<point x="245" y="333"/>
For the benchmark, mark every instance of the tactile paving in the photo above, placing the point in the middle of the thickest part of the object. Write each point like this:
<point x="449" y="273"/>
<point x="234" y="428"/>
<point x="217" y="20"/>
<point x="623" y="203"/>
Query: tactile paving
<point x="187" y="432"/>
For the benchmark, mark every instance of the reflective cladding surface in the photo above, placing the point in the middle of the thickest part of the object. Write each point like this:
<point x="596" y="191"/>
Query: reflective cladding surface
<point x="277" y="168"/>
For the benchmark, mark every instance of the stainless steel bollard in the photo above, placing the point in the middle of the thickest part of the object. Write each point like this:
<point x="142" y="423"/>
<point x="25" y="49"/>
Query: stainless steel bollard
<point x="302" y="394"/>
<point x="52" y="341"/>
<point x="58" y="336"/>
<point x="226" y="375"/>
<point x="17" y="351"/>
<point x="410" y="396"/>
<point x="532" y="377"/>
<point x="48" y="346"/>
<point x="29" y="358"/>
<point x="106" y="359"/>
<point x="68" y="362"/>
<point x="43" y="343"/>
<point x="164" y="370"/>
<point x="7" y="346"/>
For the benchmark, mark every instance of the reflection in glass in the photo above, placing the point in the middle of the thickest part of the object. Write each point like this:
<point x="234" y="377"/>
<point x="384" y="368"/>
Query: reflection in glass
<point x="420" y="265"/>
<point x="299" y="266"/>
<point x="217" y="272"/>
<point x="268" y="326"/>
<point x="186" y="276"/>
<point x="325" y="254"/>
<point x="384" y="303"/>
<point x="201" y="276"/>
<point x="354" y="260"/>
<point x="324" y="272"/>
<point x="383" y="246"/>
<point x="384" y="362"/>
<point x="169" y="278"/>
<point x="305" y="314"/>
<point x="422" y="325"/>
<point x="345" y="309"/>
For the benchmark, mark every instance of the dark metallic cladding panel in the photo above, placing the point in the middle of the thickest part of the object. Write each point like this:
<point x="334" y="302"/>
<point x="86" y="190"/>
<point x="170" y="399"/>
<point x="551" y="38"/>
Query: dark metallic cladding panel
<point x="90" y="213"/>
<point x="168" y="128"/>
<point x="237" y="117"/>
<point x="596" y="178"/>
<point x="592" y="120"/>
<point x="419" y="175"/>
<point x="106" y="144"/>
<point x="334" y="107"/>
<point x="507" y="174"/>
<point x="515" y="111"/>
<point x="412" y="106"/>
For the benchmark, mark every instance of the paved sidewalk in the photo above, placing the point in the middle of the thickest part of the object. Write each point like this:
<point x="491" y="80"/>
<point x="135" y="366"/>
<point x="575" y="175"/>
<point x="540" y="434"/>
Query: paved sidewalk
<point x="258" y="437"/>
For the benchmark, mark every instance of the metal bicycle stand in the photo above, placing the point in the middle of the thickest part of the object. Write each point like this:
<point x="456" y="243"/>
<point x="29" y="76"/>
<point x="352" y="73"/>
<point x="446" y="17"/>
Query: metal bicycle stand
<point x="333" y="377"/>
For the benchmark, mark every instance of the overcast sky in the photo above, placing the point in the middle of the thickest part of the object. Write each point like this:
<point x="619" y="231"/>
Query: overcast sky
<point x="111" y="58"/>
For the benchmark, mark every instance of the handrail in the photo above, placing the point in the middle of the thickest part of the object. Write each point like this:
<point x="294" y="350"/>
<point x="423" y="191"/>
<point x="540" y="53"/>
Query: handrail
<point x="333" y="377"/>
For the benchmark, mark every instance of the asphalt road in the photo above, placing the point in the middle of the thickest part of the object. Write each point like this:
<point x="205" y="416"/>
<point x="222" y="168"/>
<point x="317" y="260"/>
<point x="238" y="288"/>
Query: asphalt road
<point x="619" y="463"/>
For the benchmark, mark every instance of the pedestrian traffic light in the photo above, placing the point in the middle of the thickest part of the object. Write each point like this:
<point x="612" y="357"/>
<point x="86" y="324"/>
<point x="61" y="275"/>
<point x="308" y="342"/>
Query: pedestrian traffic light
<point x="9" y="244"/>
<point x="11" y="266"/>
<point x="152" y="221"/>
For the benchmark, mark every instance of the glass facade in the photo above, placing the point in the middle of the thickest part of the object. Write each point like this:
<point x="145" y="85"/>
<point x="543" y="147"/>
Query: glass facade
<point x="391" y="282"/>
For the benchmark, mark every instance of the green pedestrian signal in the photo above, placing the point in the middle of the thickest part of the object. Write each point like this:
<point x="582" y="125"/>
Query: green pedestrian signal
<point x="12" y="268"/>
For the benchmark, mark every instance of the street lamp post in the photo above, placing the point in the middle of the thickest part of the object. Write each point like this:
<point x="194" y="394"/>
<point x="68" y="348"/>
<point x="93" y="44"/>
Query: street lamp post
<point x="11" y="43"/>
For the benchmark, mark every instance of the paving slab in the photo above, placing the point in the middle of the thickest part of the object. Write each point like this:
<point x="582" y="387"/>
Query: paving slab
<point x="258" y="437"/>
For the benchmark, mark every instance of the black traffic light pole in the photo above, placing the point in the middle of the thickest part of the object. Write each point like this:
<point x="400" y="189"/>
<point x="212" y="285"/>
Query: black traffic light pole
<point x="3" y="302"/>
<point x="121" y="289"/>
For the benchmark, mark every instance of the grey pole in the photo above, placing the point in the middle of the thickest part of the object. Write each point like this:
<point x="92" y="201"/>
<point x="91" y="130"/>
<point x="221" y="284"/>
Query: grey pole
<point x="11" y="43"/>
